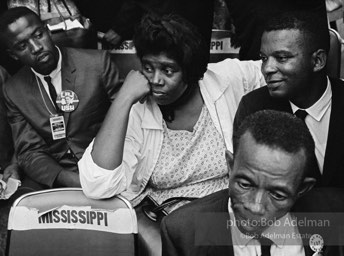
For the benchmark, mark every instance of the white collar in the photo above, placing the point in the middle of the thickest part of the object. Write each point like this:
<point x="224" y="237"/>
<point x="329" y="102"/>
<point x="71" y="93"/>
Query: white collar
<point x="318" y="109"/>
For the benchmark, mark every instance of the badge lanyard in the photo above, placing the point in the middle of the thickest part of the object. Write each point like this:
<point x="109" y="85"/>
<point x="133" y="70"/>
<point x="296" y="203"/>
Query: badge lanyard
<point x="57" y="124"/>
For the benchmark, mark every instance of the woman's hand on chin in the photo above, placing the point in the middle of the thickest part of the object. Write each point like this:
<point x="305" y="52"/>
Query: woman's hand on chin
<point x="135" y="87"/>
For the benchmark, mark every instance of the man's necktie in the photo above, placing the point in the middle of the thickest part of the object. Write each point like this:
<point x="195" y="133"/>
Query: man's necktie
<point x="52" y="91"/>
<point x="301" y="114"/>
<point x="265" y="245"/>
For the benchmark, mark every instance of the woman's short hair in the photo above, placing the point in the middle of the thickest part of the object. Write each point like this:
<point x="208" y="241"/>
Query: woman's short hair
<point x="178" y="39"/>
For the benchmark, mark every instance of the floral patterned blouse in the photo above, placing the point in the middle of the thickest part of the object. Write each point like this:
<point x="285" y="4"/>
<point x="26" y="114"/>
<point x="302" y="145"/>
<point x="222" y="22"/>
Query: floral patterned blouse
<point x="190" y="164"/>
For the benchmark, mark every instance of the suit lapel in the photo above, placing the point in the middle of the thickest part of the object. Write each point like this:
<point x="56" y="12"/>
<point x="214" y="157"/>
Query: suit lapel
<point x="307" y="233"/>
<point x="223" y="250"/>
<point x="220" y="251"/>
<point x="68" y="76"/>
<point x="324" y="251"/>
<point x="335" y="137"/>
<point x="308" y="250"/>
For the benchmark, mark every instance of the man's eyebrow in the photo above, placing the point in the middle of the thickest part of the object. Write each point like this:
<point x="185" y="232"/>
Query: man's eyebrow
<point x="16" y="43"/>
<point x="244" y="176"/>
<point x="40" y="28"/>
<point x="282" y="52"/>
<point x="281" y="188"/>
<point x="33" y="32"/>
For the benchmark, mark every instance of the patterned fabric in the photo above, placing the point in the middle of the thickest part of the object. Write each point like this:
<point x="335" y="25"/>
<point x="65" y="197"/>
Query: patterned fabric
<point x="179" y="171"/>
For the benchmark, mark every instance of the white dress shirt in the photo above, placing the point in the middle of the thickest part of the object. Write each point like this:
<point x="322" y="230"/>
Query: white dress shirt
<point x="317" y="121"/>
<point x="286" y="239"/>
<point x="56" y="78"/>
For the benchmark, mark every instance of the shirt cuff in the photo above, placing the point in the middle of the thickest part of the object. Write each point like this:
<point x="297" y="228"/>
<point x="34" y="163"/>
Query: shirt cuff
<point x="98" y="182"/>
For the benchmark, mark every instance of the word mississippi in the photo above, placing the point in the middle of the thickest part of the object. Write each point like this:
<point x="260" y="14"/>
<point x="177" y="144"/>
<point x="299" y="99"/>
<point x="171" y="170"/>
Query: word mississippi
<point x="74" y="216"/>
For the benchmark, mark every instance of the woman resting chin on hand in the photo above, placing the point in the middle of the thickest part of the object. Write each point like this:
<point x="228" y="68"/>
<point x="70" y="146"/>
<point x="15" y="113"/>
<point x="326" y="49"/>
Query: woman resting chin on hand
<point x="166" y="133"/>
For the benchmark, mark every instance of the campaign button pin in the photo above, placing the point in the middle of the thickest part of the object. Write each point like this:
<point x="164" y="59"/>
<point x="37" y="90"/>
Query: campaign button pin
<point x="316" y="243"/>
<point x="67" y="101"/>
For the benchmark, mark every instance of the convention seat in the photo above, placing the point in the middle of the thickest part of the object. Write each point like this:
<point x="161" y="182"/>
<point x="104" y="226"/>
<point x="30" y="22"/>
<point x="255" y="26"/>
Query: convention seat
<point x="64" y="222"/>
<point x="220" y="46"/>
<point x="125" y="58"/>
<point x="335" y="10"/>
<point x="334" y="55"/>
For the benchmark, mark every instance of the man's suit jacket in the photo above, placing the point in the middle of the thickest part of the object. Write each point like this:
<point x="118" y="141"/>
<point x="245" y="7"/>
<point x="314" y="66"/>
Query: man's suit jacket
<point x="94" y="79"/>
<point x="201" y="227"/>
<point x="333" y="169"/>
<point x="6" y="144"/>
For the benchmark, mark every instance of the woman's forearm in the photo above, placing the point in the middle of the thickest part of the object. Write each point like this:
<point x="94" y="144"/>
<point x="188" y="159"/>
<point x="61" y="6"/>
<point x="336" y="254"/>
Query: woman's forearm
<point x="109" y="143"/>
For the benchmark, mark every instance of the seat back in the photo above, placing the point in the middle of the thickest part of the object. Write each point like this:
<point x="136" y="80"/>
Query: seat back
<point x="65" y="222"/>
<point x="334" y="55"/>
<point x="126" y="59"/>
<point x="220" y="46"/>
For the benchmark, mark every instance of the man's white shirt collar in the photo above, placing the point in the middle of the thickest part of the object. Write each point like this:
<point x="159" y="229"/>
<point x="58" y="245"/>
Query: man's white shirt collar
<point x="318" y="109"/>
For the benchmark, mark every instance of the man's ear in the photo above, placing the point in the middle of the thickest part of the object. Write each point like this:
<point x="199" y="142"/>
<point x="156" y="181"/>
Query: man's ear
<point x="229" y="160"/>
<point x="307" y="184"/>
<point x="11" y="54"/>
<point x="319" y="58"/>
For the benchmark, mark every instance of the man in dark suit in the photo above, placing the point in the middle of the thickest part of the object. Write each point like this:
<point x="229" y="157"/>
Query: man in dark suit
<point x="273" y="153"/>
<point x="56" y="103"/>
<point x="294" y="51"/>
<point x="8" y="167"/>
